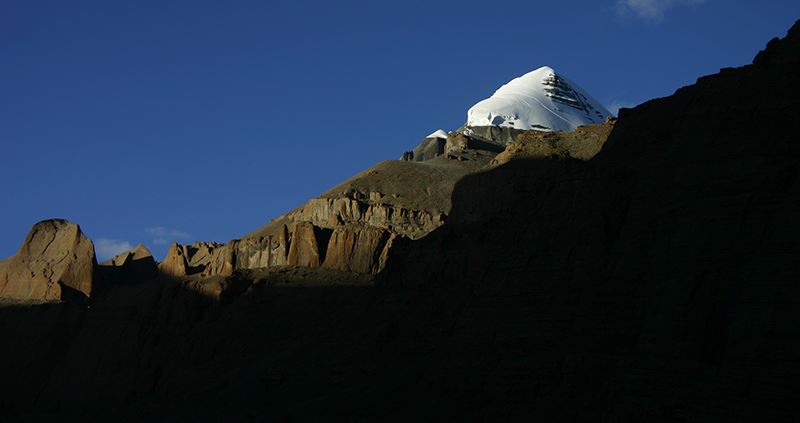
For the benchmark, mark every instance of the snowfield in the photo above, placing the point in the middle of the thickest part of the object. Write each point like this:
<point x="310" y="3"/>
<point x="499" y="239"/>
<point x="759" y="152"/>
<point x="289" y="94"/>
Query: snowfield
<point x="540" y="100"/>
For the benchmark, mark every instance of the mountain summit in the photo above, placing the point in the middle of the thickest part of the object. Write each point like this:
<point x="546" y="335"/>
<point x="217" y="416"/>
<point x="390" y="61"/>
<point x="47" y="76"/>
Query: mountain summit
<point x="539" y="100"/>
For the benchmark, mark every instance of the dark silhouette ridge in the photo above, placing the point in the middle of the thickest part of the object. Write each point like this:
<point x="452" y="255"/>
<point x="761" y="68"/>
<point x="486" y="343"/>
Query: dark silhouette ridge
<point x="656" y="282"/>
<point x="665" y="269"/>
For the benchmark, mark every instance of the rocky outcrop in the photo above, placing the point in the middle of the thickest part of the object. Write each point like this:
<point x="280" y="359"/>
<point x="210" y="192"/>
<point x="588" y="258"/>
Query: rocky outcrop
<point x="368" y="211"/>
<point x="137" y="254"/>
<point x="457" y="144"/>
<point x="349" y="228"/>
<point x="55" y="262"/>
<point x="427" y="149"/>
<point x="352" y="226"/>
<point x="353" y="247"/>
<point x="462" y="145"/>
<point x="304" y="250"/>
<point x="199" y="255"/>
<point x="135" y="265"/>
<point x="501" y="136"/>
<point x="583" y="144"/>
<point x="175" y="264"/>
<point x="358" y="249"/>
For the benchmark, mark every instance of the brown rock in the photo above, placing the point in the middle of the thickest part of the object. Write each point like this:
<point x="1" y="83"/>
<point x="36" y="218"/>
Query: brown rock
<point x="140" y="252"/>
<point x="223" y="260"/>
<point x="494" y="134"/>
<point x="199" y="254"/>
<point x="134" y="265"/>
<point x="457" y="143"/>
<point x="304" y="249"/>
<point x="55" y="262"/>
<point x="357" y="249"/>
<point x="583" y="144"/>
<point x="174" y="263"/>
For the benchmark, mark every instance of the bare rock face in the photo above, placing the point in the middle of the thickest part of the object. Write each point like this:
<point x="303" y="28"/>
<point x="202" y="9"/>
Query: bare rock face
<point x="370" y="211"/>
<point x="55" y="262"/>
<point x="174" y="263"/>
<point x="199" y="255"/>
<point x="223" y="260"/>
<point x="137" y="264"/>
<point x="465" y="145"/>
<point x="353" y="225"/>
<point x="494" y="134"/>
<point x="427" y="149"/>
<point x="349" y="228"/>
<point x="456" y="145"/>
<point x="357" y="249"/>
<point x="138" y="253"/>
<point x="304" y="249"/>
<point x="583" y="144"/>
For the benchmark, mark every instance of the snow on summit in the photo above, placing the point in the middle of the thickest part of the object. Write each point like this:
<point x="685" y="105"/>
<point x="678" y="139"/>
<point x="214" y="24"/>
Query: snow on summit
<point x="540" y="100"/>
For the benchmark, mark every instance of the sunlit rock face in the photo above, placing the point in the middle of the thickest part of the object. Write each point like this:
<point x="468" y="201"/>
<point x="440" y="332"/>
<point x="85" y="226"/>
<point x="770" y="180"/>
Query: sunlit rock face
<point x="55" y="262"/>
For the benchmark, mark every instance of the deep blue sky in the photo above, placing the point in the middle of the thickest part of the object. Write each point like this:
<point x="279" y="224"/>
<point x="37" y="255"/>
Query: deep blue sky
<point x="150" y="121"/>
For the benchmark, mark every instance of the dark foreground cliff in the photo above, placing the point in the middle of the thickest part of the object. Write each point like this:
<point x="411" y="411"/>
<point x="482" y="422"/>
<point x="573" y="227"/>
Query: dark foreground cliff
<point x="656" y="282"/>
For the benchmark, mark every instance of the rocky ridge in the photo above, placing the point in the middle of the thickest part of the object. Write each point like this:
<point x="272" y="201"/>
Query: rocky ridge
<point x="353" y="226"/>
<point x="350" y="228"/>
<point x="353" y="229"/>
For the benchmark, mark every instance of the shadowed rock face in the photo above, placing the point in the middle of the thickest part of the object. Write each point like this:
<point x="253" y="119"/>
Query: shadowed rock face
<point x="427" y="149"/>
<point x="657" y="281"/>
<point x="138" y="253"/>
<point x="56" y="261"/>
<point x="137" y="264"/>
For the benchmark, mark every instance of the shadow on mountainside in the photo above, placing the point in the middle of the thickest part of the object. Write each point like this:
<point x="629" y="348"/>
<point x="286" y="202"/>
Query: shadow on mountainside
<point x="159" y="350"/>
<point x="566" y="295"/>
<point x="656" y="282"/>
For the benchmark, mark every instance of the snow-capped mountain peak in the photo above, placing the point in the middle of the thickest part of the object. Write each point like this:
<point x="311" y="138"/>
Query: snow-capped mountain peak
<point x="539" y="100"/>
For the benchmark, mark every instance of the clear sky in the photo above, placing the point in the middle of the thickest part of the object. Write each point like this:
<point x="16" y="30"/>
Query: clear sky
<point x="154" y="121"/>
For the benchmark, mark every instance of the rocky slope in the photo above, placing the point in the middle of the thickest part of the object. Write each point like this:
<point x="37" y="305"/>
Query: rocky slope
<point x="350" y="228"/>
<point x="655" y="282"/>
<point x="353" y="226"/>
